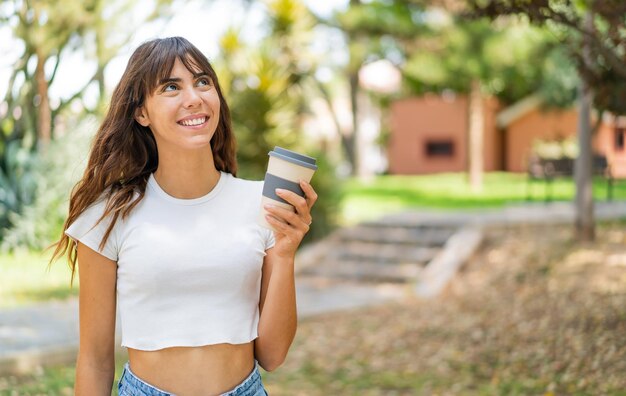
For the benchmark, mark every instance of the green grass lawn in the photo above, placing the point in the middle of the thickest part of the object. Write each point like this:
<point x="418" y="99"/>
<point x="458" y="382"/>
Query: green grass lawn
<point x="368" y="199"/>
<point x="26" y="278"/>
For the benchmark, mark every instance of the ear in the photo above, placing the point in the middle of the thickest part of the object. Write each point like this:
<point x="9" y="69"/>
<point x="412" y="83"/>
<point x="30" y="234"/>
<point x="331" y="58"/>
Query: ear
<point x="141" y="116"/>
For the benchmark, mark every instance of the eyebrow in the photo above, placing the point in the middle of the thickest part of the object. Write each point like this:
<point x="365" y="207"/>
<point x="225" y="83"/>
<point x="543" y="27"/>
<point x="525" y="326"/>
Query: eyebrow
<point x="176" y="79"/>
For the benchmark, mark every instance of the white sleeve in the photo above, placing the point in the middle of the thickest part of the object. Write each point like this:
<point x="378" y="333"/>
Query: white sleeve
<point x="268" y="234"/>
<point x="270" y="241"/>
<point x="85" y="230"/>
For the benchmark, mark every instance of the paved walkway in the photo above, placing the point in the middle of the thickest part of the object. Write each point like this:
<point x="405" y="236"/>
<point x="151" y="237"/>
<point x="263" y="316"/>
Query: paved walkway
<point x="535" y="213"/>
<point x="47" y="333"/>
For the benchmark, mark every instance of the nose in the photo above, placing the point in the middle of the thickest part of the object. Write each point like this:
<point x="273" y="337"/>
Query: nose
<point x="191" y="98"/>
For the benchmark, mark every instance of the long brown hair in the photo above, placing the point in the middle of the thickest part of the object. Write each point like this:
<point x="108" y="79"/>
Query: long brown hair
<point x="124" y="153"/>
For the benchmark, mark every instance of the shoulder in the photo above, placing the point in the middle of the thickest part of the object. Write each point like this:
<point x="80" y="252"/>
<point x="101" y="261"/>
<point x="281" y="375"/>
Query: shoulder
<point x="110" y="197"/>
<point x="95" y="212"/>
<point x="243" y="193"/>
<point x="244" y="185"/>
<point x="98" y="206"/>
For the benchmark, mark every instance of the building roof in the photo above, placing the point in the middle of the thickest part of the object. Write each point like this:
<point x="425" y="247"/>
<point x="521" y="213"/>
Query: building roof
<point x="517" y="110"/>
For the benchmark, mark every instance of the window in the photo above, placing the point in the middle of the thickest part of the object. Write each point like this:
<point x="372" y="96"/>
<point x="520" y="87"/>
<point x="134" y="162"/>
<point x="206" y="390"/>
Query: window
<point x="439" y="148"/>
<point x="619" y="138"/>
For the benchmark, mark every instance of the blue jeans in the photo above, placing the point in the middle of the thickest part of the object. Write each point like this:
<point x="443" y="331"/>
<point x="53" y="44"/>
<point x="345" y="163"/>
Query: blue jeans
<point x="131" y="385"/>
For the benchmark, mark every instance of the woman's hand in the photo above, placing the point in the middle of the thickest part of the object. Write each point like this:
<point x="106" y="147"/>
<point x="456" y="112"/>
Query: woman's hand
<point x="277" y="304"/>
<point x="291" y="226"/>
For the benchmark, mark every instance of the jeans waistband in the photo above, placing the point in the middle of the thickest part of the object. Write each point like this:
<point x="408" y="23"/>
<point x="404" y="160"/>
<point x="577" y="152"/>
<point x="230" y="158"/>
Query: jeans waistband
<point x="248" y="387"/>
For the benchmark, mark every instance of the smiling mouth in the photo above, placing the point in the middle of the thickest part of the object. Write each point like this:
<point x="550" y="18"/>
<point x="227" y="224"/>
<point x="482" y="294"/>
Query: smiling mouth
<point x="193" y="122"/>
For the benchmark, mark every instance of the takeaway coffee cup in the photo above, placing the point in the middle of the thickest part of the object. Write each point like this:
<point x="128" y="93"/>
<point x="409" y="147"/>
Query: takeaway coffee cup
<point x="284" y="170"/>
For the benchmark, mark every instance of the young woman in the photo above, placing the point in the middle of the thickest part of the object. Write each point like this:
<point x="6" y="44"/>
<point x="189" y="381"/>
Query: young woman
<point x="163" y="230"/>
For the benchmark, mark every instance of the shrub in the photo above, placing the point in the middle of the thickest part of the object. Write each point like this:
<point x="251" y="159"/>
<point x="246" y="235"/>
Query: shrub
<point x="54" y="173"/>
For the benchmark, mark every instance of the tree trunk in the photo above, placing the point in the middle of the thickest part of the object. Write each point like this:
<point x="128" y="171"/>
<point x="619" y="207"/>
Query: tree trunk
<point x="102" y="95"/>
<point x="585" y="222"/>
<point x="354" y="139"/>
<point x="475" y="137"/>
<point x="346" y="140"/>
<point x="44" y="114"/>
<point x="353" y="76"/>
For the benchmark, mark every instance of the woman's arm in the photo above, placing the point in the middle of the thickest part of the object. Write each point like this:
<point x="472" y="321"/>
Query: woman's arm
<point x="278" y="320"/>
<point x="95" y="366"/>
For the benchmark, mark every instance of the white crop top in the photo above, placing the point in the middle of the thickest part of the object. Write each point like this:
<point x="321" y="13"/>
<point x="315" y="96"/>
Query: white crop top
<point x="188" y="270"/>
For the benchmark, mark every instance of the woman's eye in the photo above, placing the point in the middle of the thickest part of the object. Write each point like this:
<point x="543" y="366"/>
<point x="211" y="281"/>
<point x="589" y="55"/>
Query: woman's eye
<point x="169" y="88"/>
<point x="204" y="82"/>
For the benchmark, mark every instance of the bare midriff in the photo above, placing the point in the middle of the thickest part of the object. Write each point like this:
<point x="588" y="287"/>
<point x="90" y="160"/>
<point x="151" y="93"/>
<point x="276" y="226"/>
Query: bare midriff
<point x="204" y="370"/>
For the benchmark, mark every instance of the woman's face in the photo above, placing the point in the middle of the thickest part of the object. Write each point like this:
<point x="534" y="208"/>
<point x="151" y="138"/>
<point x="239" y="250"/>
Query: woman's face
<point x="183" y="111"/>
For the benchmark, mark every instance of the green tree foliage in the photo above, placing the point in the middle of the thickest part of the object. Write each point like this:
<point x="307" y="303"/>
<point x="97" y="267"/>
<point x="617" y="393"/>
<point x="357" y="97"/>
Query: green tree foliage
<point x="509" y="59"/>
<point x="53" y="175"/>
<point x="262" y="111"/>
<point x="605" y="70"/>
<point x="47" y="31"/>
<point x="17" y="181"/>
<point x="266" y="87"/>
<point x="559" y="79"/>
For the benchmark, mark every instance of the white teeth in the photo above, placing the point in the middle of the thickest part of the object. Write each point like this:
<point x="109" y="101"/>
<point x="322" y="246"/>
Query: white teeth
<point x="193" y="122"/>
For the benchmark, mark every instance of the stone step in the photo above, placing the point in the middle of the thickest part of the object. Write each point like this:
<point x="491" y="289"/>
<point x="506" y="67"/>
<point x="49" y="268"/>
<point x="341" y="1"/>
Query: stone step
<point x="397" y="235"/>
<point x="365" y="271"/>
<point x="383" y="253"/>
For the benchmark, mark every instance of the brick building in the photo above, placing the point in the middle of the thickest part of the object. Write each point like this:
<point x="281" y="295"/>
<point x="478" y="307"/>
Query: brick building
<point x="429" y="134"/>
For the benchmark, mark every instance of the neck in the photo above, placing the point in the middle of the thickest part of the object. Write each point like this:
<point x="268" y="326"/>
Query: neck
<point x="187" y="175"/>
